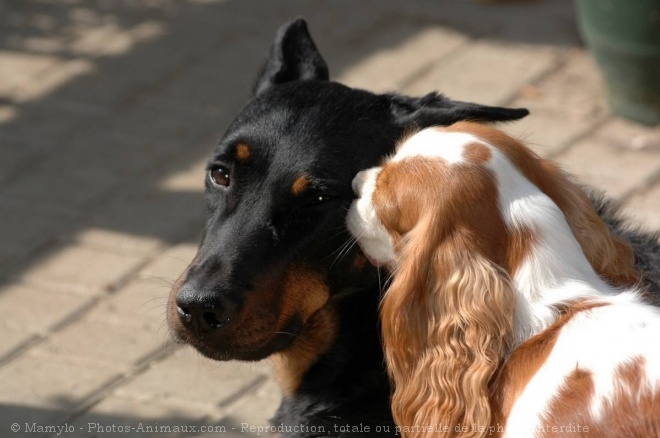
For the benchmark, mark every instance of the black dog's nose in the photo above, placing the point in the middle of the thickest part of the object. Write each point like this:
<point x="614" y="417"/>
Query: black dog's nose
<point x="203" y="312"/>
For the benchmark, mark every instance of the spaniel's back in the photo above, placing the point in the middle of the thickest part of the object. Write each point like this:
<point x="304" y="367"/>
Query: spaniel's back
<point x="512" y="306"/>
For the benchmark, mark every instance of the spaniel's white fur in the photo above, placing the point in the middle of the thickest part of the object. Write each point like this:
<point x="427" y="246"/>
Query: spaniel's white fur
<point x="512" y="310"/>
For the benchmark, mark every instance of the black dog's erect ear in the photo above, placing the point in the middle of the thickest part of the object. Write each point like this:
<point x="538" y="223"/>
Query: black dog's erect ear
<point x="436" y="109"/>
<point x="293" y="56"/>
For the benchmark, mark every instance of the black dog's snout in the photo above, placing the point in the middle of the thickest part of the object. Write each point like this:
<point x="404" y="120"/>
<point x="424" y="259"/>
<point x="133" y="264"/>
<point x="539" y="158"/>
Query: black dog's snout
<point x="203" y="312"/>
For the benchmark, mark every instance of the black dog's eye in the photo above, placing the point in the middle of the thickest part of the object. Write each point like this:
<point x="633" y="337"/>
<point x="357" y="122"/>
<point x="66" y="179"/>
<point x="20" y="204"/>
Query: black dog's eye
<point x="319" y="199"/>
<point x="220" y="176"/>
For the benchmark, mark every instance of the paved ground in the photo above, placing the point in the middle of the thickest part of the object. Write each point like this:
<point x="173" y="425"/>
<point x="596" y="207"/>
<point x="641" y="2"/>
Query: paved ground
<point x="107" y="110"/>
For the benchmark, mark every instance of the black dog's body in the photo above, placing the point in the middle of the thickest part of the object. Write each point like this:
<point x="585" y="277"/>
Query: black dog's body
<point x="645" y="244"/>
<point x="272" y="277"/>
<point x="346" y="393"/>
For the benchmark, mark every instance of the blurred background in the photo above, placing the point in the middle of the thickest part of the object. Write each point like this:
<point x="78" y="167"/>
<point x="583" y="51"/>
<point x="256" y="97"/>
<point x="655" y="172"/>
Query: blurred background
<point x="108" y="109"/>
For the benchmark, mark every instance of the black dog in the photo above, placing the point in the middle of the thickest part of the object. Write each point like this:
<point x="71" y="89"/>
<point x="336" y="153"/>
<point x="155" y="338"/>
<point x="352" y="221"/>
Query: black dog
<point x="272" y="277"/>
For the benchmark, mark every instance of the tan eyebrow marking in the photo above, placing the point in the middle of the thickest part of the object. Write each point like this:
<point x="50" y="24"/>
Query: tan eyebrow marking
<point x="300" y="185"/>
<point x="242" y="152"/>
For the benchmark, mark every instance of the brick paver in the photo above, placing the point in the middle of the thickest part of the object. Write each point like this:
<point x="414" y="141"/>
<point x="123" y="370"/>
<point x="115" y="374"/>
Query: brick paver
<point x="107" y="113"/>
<point x="188" y="377"/>
<point x="113" y="416"/>
<point x="95" y="342"/>
<point x="82" y="269"/>
<point x="27" y="312"/>
<point x="565" y="105"/>
<point x="509" y="67"/>
<point x="381" y="71"/>
<point x="30" y="225"/>
<point x="617" y="171"/>
<point x="30" y="381"/>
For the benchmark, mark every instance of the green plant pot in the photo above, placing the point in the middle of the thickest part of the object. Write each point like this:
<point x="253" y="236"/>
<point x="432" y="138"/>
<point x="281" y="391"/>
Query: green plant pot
<point x="624" y="37"/>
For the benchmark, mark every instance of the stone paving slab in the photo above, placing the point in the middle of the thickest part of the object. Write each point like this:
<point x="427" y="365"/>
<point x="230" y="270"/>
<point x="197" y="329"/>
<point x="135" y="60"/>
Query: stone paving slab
<point x="14" y="154"/>
<point x="564" y="106"/>
<point x="150" y="215"/>
<point x="141" y="302"/>
<point x="103" y="343"/>
<point x="52" y="309"/>
<point x="43" y="129"/>
<point x="29" y="226"/>
<point x="51" y="78"/>
<point x="195" y="382"/>
<point x="381" y="71"/>
<point x="17" y="70"/>
<point x="617" y="171"/>
<point x="72" y="190"/>
<point x="60" y="386"/>
<point x="509" y="67"/>
<point x="82" y="269"/>
<point x="107" y="114"/>
<point x="116" y="417"/>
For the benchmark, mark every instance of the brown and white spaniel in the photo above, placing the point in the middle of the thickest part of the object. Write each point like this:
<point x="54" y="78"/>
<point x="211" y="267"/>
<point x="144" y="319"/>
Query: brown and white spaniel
<point x="512" y="309"/>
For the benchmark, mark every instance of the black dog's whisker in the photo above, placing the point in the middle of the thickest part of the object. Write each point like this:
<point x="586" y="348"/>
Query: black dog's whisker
<point x="344" y="250"/>
<point x="162" y="303"/>
<point x="348" y="249"/>
<point x="343" y="231"/>
<point x="380" y="285"/>
<point x="151" y="309"/>
<point x="159" y="332"/>
<point x="167" y="281"/>
<point x="186" y="262"/>
<point x="352" y="241"/>
<point x="340" y="249"/>
<point x="287" y="333"/>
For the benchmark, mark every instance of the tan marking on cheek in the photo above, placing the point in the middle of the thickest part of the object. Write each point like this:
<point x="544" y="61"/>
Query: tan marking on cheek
<point x="291" y="365"/>
<point x="477" y="153"/>
<point x="306" y="294"/>
<point x="242" y="152"/>
<point x="300" y="185"/>
<point x="359" y="262"/>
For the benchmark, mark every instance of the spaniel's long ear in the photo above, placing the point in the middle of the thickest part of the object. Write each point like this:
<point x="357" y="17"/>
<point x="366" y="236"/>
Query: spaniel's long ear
<point x="293" y="57"/>
<point x="446" y="320"/>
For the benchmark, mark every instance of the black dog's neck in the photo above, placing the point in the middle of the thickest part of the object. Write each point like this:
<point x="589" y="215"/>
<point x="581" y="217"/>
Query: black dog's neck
<point x="345" y="392"/>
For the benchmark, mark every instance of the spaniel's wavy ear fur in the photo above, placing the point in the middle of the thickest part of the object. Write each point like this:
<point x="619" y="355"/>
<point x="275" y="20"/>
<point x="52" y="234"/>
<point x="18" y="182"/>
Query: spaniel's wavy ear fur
<point x="447" y="320"/>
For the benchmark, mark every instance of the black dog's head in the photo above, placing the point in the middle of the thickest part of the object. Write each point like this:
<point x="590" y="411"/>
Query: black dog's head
<point x="277" y="187"/>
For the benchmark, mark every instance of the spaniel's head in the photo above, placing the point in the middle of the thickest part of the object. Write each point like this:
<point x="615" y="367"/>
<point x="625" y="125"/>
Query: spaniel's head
<point x="435" y="215"/>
